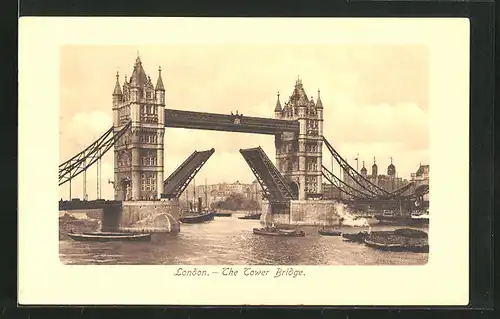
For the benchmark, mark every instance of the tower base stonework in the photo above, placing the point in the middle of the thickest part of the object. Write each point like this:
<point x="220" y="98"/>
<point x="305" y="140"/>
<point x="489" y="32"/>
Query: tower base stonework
<point x="302" y="213"/>
<point x="155" y="217"/>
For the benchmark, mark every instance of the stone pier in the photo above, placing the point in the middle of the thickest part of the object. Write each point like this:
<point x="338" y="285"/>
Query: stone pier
<point x="160" y="216"/>
<point x="301" y="213"/>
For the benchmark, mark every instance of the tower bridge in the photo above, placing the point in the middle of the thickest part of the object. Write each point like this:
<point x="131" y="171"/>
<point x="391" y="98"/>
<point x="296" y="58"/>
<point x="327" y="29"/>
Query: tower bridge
<point x="140" y="117"/>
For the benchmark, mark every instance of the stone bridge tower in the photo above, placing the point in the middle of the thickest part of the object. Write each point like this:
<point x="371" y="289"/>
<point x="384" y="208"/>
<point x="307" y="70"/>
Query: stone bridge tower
<point x="299" y="158"/>
<point x="138" y="155"/>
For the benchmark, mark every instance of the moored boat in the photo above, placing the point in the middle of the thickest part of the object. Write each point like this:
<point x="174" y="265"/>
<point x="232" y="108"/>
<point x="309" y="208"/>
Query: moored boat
<point x="218" y="214"/>
<point x="389" y="217"/>
<point x="396" y="247"/>
<point x="278" y="232"/>
<point x="402" y="239"/>
<point x="98" y="236"/>
<point x="251" y="216"/>
<point x="198" y="218"/>
<point x="355" y="237"/>
<point x="329" y="232"/>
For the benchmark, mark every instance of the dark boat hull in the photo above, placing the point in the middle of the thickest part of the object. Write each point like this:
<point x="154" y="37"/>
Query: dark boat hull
<point x="103" y="237"/>
<point x="223" y="214"/>
<point x="253" y="216"/>
<point x="197" y="219"/>
<point x="357" y="237"/>
<point x="397" y="247"/>
<point x="257" y="231"/>
<point x="326" y="232"/>
<point x="392" y="220"/>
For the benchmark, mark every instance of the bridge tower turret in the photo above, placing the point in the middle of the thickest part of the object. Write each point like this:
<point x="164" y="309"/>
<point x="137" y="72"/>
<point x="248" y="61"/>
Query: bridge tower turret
<point x="277" y="108"/>
<point x="139" y="152"/>
<point x="117" y="99"/>
<point x="299" y="157"/>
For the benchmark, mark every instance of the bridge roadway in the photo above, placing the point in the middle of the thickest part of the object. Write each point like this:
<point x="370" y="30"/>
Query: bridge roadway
<point x="228" y="122"/>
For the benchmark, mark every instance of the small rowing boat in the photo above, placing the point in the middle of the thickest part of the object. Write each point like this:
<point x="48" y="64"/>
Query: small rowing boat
<point x="329" y="232"/>
<point x="251" y="216"/>
<point x="278" y="232"/>
<point x="98" y="236"/>
<point x="223" y="214"/>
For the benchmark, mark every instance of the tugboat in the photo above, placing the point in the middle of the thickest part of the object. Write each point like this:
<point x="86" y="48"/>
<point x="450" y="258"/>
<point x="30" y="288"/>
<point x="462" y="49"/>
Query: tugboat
<point x="197" y="217"/>
<point x="273" y="231"/>
<point x="329" y="231"/>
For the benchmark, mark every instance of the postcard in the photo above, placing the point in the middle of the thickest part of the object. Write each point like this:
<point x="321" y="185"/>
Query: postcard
<point x="243" y="160"/>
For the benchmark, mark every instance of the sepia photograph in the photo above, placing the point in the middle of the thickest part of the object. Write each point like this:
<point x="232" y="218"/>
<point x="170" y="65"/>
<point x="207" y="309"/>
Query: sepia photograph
<point x="227" y="155"/>
<point x="232" y="159"/>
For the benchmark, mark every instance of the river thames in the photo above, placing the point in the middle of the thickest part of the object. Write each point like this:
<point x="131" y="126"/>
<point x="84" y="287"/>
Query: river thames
<point x="230" y="241"/>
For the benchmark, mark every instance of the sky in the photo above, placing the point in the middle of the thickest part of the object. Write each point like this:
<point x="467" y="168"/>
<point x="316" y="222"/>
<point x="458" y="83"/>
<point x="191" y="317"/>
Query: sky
<point x="375" y="100"/>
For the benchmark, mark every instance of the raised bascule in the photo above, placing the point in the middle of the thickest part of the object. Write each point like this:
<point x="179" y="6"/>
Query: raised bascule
<point x="292" y="187"/>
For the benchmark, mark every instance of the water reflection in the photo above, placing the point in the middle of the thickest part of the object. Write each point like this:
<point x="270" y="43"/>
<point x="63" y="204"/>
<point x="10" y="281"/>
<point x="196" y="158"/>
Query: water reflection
<point x="230" y="241"/>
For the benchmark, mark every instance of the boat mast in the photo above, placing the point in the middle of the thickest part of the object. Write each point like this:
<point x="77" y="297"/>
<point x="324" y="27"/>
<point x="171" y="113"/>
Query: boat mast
<point x="195" y="200"/>
<point x="206" y="197"/>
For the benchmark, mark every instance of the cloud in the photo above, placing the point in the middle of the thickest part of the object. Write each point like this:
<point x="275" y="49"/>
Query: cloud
<point x="406" y="124"/>
<point x="81" y="130"/>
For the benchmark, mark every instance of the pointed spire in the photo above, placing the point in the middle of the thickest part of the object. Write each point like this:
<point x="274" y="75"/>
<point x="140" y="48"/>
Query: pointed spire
<point x="374" y="161"/>
<point x="278" y="104"/>
<point x="319" y="104"/>
<point x="159" y="83"/>
<point x="363" y="169"/>
<point x="391" y="159"/>
<point x="118" y="90"/>
<point x="138" y="77"/>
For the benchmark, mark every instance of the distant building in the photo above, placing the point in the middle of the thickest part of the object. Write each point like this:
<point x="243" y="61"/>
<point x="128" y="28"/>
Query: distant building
<point x="421" y="175"/>
<point x="218" y="192"/>
<point x="389" y="182"/>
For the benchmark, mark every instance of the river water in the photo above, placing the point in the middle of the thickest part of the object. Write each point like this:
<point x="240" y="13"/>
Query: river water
<point x="230" y="241"/>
